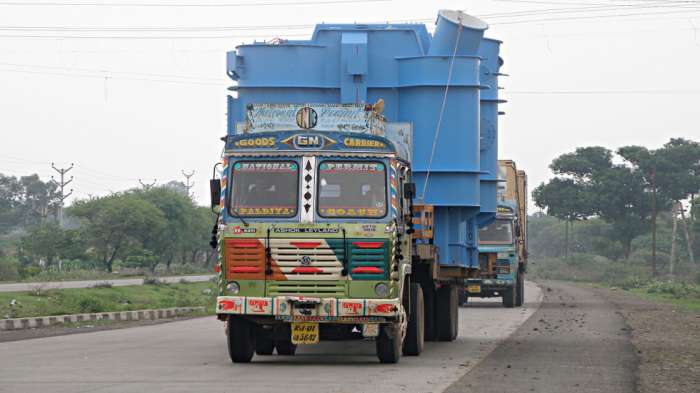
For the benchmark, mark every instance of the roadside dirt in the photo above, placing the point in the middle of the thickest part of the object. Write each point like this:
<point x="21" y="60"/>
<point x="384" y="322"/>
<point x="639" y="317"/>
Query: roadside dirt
<point x="585" y="339"/>
<point x="85" y="327"/>
<point x="576" y="342"/>
<point x="667" y="340"/>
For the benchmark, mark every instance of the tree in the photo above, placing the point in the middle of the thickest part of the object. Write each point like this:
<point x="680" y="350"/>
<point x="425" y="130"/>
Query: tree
<point x="47" y="243"/>
<point x="25" y="201"/>
<point x="176" y="209"/>
<point x="681" y="178"/>
<point x="115" y="224"/>
<point x="620" y="199"/>
<point x="566" y="200"/>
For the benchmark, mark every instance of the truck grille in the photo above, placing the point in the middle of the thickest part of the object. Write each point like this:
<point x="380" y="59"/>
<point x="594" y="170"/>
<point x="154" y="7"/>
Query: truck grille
<point x="308" y="259"/>
<point x="318" y="289"/>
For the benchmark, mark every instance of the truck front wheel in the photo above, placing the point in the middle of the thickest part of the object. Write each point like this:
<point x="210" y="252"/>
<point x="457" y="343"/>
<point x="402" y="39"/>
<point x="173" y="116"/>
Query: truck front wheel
<point x="520" y="289"/>
<point x="241" y="339"/>
<point x="415" y="332"/>
<point x="509" y="295"/>
<point x="389" y="343"/>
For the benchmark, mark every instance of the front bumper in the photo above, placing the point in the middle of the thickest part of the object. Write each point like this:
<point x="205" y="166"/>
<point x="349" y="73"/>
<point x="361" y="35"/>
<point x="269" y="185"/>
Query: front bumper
<point x="310" y="309"/>
<point x="488" y="285"/>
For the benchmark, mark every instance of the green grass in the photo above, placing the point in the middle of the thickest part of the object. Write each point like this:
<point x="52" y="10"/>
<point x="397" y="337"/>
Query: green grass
<point x="688" y="303"/>
<point x="93" y="300"/>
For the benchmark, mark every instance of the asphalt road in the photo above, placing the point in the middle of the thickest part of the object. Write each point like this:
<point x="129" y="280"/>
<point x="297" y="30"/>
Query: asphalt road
<point x="190" y="356"/>
<point x="122" y="282"/>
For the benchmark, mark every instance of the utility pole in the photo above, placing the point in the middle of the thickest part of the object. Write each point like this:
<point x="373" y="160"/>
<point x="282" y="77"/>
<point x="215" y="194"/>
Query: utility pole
<point x="61" y="184"/>
<point x="188" y="185"/>
<point x="147" y="186"/>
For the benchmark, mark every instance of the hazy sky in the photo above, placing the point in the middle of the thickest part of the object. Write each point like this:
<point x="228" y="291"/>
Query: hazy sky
<point x="581" y="73"/>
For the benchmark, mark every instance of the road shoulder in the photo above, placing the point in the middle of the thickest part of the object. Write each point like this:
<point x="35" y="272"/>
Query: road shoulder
<point x="577" y="341"/>
<point x="667" y="340"/>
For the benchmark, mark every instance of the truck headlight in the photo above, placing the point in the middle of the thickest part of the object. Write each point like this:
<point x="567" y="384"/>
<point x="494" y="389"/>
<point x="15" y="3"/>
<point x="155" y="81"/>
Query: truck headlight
<point x="381" y="289"/>
<point x="233" y="288"/>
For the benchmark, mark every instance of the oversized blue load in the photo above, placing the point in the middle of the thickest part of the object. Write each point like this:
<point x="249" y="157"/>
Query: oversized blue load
<point x="445" y="85"/>
<point x="358" y="168"/>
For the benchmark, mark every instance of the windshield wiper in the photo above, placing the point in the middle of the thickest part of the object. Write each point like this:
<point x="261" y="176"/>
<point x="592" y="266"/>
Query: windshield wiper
<point x="238" y="216"/>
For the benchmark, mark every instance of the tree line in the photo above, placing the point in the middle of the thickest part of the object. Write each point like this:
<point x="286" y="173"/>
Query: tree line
<point x="627" y="189"/>
<point x="138" y="228"/>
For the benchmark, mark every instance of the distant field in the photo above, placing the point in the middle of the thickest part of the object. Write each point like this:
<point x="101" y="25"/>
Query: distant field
<point x="106" y="299"/>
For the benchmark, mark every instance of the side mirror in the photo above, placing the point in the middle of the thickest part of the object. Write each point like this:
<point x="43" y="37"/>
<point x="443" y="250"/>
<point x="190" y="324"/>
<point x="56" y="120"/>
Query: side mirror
<point x="409" y="190"/>
<point x="215" y="192"/>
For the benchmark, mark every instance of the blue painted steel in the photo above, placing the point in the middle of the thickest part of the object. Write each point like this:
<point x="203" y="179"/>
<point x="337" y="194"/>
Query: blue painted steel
<point x="488" y="75"/>
<point x="407" y="68"/>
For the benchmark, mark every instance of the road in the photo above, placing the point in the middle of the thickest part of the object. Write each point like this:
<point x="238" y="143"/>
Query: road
<point x="190" y="355"/>
<point x="122" y="282"/>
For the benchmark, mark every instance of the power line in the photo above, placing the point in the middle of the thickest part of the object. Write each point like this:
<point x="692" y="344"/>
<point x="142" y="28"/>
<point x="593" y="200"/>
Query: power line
<point x="194" y="5"/>
<point x="76" y="75"/>
<point x="594" y="17"/>
<point x="108" y="71"/>
<point x="188" y="185"/>
<point x="62" y="185"/>
<point x="603" y="92"/>
<point x="147" y="186"/>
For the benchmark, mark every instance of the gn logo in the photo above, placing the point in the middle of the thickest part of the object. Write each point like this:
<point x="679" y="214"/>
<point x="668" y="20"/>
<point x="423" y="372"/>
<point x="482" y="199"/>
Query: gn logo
<point x="307" y="118"/>
<point x="309" y="141"/>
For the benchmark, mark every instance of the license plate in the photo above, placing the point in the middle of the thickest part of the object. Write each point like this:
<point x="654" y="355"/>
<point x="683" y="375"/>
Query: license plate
<point x="304" y="333"/>
<point x="370" y="330"/>
<point x="474" y="288"/>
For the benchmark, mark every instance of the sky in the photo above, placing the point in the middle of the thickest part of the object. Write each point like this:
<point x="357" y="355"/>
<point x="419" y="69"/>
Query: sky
<point x="136" y="89"/>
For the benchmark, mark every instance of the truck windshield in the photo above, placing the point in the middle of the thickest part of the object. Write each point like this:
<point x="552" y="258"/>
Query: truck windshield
<point x="352" y="189"/>
<point x="264" y="188"/>
<point x="498" y="232"/>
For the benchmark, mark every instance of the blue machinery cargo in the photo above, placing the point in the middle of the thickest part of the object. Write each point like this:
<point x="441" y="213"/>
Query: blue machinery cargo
<point x="411" y="71"/>
<point x="358" y="168"/>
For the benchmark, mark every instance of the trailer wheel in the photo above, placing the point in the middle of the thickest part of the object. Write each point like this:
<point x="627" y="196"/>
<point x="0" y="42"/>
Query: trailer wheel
<point x="520" y="289"/>
<point x="429" y="313"/>
<point x="463" y="297"/>
<point x="415" y="332"/>
<point x="389" y="343"/>
<point x="447" y="310"/>
<point x="240" y="339"/>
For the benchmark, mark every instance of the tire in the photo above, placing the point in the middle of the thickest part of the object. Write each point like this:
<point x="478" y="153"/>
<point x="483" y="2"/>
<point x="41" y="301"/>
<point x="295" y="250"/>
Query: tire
<point x="520" y="290"/>
<point x="264" y="345"/>
<point x="389" y="344"/>
<point x="447" y="310"/>
<point x="415" y="333"/>
<point x="285" y="348"/>
<point x="509" y="295"/>
<point x="463" y="297"/>
<point x="240" y="340"/>
<point x="429" y="313"/>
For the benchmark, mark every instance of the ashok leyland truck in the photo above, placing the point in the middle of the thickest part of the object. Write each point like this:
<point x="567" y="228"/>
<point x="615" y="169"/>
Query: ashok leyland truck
<point x="357" y="170"/>
<point x="503" y="243"/>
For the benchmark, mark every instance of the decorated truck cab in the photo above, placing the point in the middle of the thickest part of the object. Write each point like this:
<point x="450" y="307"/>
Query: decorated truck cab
<point x="313" y="209"/>
<point x="503" y="243"/>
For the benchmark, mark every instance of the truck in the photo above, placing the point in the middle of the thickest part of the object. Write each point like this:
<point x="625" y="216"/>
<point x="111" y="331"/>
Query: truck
<point x="357" y="169"/>
<point x="503" y="243"/>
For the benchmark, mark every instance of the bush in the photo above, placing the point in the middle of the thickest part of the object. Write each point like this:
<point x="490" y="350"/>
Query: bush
<point x="9" y="269"/>
<point x="90" y="305"/>
<point x="153" y="281"/>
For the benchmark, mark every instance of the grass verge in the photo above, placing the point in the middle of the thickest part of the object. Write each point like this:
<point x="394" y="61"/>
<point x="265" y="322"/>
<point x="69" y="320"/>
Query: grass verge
<point x="106" y="299"/>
